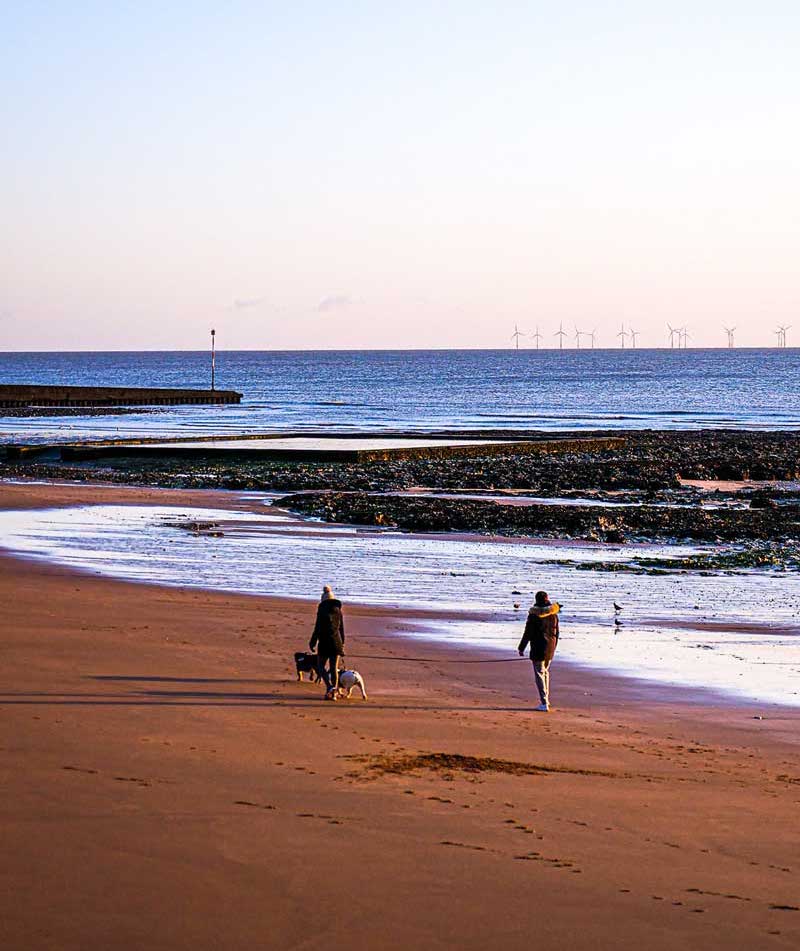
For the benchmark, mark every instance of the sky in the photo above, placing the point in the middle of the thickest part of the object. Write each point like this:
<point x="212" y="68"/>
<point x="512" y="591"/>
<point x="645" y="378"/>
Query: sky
<point x="381" y="175"/>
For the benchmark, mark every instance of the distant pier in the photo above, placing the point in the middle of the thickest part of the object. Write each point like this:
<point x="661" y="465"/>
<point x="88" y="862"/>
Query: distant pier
<point x="30" y="396"/>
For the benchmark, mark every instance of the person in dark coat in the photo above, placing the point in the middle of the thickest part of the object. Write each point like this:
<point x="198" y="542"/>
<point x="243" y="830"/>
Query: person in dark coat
<point x="328" y="640"/>
<point x="541" y="632"/>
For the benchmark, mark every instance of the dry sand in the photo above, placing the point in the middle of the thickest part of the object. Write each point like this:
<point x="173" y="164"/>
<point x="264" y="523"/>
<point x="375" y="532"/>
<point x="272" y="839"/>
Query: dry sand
<point x="168" y="784"/>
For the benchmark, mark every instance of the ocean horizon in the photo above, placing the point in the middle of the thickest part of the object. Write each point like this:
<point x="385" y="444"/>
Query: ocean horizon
<point x="425" y="390"/>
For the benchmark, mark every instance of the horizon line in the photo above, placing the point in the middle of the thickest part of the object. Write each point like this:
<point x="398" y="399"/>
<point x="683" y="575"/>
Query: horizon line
<point x="506" y="349"/>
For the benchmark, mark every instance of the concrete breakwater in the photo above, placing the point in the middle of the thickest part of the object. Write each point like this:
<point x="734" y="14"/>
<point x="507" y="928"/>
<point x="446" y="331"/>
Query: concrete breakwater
<point x="637" y="467"/>
<point x="12" y="395"/>
<point x="325" y="448"/>
<point x="317" y="448"/>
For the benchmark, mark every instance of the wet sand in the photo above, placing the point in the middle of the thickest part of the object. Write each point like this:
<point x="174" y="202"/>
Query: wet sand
<point x="168" y="784"/>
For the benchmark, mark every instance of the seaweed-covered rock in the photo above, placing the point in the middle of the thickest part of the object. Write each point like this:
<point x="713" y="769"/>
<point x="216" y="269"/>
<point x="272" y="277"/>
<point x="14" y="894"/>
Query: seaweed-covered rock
<point x="648" y="463"/>
<point x="421" y="514"/>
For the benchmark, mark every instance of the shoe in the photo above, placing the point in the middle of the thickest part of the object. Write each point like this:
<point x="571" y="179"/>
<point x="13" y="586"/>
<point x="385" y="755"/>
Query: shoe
<point x="542" y="708"/>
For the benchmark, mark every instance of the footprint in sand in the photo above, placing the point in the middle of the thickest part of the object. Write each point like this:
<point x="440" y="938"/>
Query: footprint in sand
<point x="132" y="779"/>
<point x="331" y="820"/>
<point x="703" y="891"/>
<point x="463" y="845"/>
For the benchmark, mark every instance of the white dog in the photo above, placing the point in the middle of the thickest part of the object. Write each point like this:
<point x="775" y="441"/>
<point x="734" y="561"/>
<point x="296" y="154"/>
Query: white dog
<point x="348" y="681"/>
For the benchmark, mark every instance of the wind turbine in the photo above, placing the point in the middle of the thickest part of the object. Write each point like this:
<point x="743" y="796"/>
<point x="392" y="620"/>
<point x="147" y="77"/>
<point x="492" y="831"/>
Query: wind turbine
<point x="622" y="335"/>
<point x="537" y="336"/>
<point x="578" y="335"/>
<point x="634" y="334"/>
<point x="560" y="333"/>
<point x="593" y="334"/>
<point x="516" y="335"/>
<point x="672" y="332"/>
<point x="729" y="331"/>
<point x="685" y="336"/>
<point x="781" y="332"/>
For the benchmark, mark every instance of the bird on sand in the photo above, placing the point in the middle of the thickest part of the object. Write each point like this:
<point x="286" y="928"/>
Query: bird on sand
<point x="617" y="607"/>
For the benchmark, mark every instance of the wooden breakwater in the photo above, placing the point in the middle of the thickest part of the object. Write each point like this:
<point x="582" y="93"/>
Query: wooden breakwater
<point x="20" y="396"/>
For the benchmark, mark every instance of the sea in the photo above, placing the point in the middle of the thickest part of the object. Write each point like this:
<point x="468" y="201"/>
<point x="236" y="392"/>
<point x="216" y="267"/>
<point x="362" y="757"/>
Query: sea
<point x="734" y="635"/>
<point x="425" y="391"/>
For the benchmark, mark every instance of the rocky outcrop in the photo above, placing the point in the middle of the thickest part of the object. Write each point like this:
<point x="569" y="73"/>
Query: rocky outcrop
<point x="597" y="523"/>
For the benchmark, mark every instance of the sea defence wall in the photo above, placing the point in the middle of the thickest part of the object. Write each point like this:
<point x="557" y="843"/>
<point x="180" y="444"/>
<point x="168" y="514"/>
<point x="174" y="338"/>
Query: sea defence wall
<point x="12" y="395"/>
<point x="284" y="448"/>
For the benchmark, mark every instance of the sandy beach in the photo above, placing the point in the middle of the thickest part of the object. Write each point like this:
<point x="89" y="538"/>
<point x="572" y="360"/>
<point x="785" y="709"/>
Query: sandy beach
<point x="168" y="784"/>
<point x="419" y="332"/>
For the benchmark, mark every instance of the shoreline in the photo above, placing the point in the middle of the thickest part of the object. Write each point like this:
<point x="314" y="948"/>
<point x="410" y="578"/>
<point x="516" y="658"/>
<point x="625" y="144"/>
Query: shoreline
<point x="575" y="679"/>
<point x="169" y="784"/>
<point x="406" y="623"/>
<point x="410" y="623"/>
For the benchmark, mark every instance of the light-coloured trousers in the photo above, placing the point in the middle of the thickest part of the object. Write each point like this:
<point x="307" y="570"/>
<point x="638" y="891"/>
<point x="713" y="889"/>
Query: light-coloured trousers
<point x="541" y="674"/>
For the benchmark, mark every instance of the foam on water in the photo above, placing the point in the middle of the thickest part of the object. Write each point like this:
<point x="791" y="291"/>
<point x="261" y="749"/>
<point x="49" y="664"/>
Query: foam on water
<point x="732" y="633"/>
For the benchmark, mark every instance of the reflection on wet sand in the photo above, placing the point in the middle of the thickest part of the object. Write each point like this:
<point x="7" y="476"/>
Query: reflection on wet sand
<point x="735" y="633"/>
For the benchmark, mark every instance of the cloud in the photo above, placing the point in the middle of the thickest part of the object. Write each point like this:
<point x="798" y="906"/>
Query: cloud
<point x="335" y="302"/>
<point x="245" y="303"/>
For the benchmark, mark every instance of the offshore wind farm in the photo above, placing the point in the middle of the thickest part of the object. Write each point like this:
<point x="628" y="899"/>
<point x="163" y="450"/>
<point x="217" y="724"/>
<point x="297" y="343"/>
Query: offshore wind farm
<point x="675" y="338"/>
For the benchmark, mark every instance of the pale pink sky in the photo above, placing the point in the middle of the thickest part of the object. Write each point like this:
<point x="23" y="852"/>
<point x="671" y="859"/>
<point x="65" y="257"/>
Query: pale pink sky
<point x="397" y="178"/>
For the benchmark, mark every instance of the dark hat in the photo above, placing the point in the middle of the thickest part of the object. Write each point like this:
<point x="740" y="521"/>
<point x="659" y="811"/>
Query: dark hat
<point x="542" y="599"/>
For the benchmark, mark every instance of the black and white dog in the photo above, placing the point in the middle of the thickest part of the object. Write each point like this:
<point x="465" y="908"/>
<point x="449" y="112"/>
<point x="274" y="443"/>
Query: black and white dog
<point x="306" y="664"/>
<point x="348" y="681"/>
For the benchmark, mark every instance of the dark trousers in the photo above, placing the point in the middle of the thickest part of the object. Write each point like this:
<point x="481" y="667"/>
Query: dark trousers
<point x="328" y="667"/>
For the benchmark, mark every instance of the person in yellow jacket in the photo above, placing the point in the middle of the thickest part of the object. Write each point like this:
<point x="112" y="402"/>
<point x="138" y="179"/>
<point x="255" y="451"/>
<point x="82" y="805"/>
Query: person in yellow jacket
<point x="541" y="632"/>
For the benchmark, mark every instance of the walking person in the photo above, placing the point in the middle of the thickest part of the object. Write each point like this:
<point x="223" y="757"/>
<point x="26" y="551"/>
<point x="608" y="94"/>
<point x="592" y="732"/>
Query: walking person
<point x="328" y="639"/>
<point x="541" y="632"/>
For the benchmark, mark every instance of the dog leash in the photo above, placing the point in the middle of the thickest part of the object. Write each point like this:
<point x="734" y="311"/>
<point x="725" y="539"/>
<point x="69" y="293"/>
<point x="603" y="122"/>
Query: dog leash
<point x="436" y="660"/>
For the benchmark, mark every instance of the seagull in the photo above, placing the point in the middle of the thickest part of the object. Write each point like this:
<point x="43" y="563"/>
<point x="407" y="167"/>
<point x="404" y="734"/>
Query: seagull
<point x="617" y="607"/>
